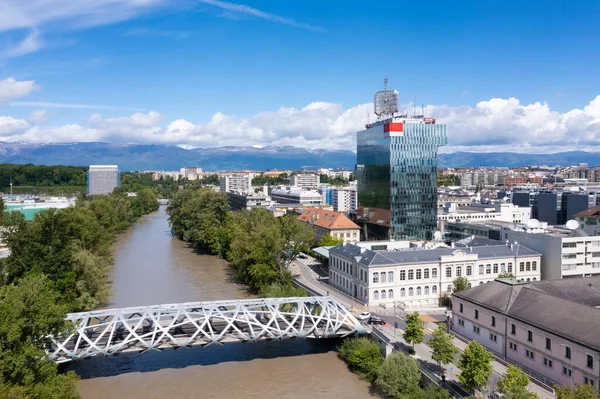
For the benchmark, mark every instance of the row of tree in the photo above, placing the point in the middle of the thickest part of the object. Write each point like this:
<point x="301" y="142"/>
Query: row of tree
<point x="40" y="175"/>
<point x="258" y="245"/>
<point x="59" y="262"/>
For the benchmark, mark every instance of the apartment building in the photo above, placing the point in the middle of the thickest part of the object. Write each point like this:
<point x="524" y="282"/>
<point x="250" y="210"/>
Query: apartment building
<point x="296" y="195"/>
<point x="549" y="328"/>
<point x="505" y="212"/>
<point x="333" y="223"/>
<point x="344" y="199"/>
<point x="305" y="180"/>
<point x="103" y="179"/>
<point x="236" y="182"/>
<point x="417" y="276"/>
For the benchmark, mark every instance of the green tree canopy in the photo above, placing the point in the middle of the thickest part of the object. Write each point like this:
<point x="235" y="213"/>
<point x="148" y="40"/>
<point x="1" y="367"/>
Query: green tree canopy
<point x="329" y="241"/>
<point x="362" y="355"/>
<point x="443" y="348"/>
<point x="413" y="332"/>
<point x="398" y="376"/>
<point x="476" y="366"/>
<point x="460" y="284"/>
<point x="577" y="391"/>
<point x="506" y="275"/>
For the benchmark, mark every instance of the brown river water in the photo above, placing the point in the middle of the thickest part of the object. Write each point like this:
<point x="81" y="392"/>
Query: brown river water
<point x="152" y="267"/>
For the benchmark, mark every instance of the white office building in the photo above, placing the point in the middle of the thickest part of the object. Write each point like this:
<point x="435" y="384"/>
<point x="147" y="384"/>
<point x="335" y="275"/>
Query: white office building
<point x="102" y="179"/>
<point x="503" y="211"/>
<point x="305" y="180"/>
<point x="296" y="195"/>
<point x="236" y="182"/>
<point x="344" y="199"/>
<point x="417" y="277"/>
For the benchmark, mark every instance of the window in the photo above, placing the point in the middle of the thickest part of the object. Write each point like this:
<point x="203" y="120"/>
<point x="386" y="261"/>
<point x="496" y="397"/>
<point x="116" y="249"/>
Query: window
<point x="469" y="270"/>
<point x="458" y="271"/>
<point x="510" y="267"/>
<point x="375" y="277"/>
<point x="567" y="371"/>
<point x="513" y="329"/>
<point x="390" y="277"/>
<point x="529" y="354"/>
<point x="548" y="344"/>
<point x="548" y="362"/>
<point x="493" y="337"/>
<point x="418" y="274"/>
<point x="588" y="381"/>
<point x="488" y="269"/>
<point x="512" y="346"/>
<point x="480" y="269"/>
<point x="426" y="273"/>
<point x="390" y="294"/>
<point x="590" y="361"/>
<point x="476" y="329"/>
<point x="383" y="277"/>
<point x="402" y="292"/>
<point x="410" y="291"/>
<point x="502" y="268"/>
<point x="567" y="352"/>
<point x="522" y="266"/>
<point x="528" y="266"/>
<point x="534" y="266"/>
<point x="426" y="290"/>
<point x="375" y="294"/>
<point x="493" y="321"/>
<point x="460" y="308"/>
<point x="433" y="273"/>
<point x="402" y="274"/>
<point x="434" y="289"/>
<point x="448" y="272"/>
<point x="476" y="314"/>
<point x="529" y="335"/>
<point x="418" y="290"/>
<point x="495" y="268"/>
<point x="411" y="274"/>
<point x="569" y="245"/>
<point x="383" y="294"/>
<point x="461" y="322"/>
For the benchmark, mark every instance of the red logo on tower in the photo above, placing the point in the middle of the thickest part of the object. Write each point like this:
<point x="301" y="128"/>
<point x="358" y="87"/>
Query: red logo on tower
<point x="393" y="127"/>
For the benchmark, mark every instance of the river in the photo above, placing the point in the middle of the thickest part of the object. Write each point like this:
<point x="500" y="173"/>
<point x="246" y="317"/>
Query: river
<point x="152" y="267"/>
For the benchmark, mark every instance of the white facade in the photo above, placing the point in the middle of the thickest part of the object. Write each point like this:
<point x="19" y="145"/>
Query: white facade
<point x="305" y="180"/>
<point x="344" y="199"/>
<point x="238" y="183"/>
<point x="191" y="173"/>
<point x="504" y="212"/>
<point x="417" y="277"/>
<point x="102" y="179"/>
<point x="296" y="195"/>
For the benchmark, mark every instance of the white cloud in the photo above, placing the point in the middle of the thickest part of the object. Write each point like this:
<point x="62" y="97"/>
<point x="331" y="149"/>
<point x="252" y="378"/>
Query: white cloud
<point x="11" y="88"/>
<point x="38" y="117"/>
<point x="493" y="125"/>
<point x="30" y="44"/>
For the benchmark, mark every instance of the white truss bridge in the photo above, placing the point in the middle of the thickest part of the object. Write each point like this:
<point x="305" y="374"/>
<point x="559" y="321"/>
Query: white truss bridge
<point x="146" y="328"/>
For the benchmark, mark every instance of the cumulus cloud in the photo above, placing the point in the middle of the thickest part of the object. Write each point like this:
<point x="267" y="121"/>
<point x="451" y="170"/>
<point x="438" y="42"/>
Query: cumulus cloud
<point x="493" y="125"/>
<point x="11" y="88"/>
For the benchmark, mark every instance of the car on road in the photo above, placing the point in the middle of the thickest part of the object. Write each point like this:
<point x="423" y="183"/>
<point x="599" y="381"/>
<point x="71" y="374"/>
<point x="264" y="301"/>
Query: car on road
<point x="376" y="320"/>
<point x="364" y="316"/>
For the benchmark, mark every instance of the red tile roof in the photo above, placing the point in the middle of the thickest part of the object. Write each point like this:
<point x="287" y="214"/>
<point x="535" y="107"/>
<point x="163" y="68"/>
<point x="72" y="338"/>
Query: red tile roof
<point x="327" y="219"/>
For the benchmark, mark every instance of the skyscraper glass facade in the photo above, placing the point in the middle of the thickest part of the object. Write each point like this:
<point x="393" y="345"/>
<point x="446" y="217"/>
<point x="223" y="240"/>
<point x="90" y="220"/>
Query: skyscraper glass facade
<point x="397" y="170"/>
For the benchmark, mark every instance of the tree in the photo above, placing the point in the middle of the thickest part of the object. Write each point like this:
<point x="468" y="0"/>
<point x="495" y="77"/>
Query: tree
<point x="476" y="367"/>
<point x="432" y="392"/>
<point x="506" y="275"/>
<point x="443" y="349"/>
<point x="329" y="241"/>
<point x="514" y="384"/>
<point x="294" y="238"/>
<point x="277" y="290"/>
<point x="413" y="333"/>
<point x="460" y="284"/>
<point x="577" y="391"/>
<point x="363" y="356"/>
<point x="398" y="376"/>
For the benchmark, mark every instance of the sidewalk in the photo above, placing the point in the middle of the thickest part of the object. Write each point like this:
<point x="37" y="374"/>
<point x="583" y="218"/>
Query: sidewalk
<point x="310" y="278"/>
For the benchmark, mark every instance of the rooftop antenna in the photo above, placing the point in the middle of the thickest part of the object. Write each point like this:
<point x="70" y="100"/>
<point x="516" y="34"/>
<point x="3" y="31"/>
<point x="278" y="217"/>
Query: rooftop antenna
<point x="414" y="103"/>
<point x="423" y="109"/>
<point x="386" y="102"/>
<point x="385" y="82"/>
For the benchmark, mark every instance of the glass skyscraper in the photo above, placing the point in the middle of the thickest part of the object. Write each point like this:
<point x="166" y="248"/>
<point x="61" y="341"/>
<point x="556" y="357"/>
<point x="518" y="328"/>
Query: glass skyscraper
<point x="397" y="171"/>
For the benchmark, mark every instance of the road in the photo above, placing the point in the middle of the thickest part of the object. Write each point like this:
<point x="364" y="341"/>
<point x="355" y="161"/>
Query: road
<point x="309" y="272"/>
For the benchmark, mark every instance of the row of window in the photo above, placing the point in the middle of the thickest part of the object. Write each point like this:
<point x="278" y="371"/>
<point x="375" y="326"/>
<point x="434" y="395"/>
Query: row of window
<point x="483" y="269"/>
<point x="411" y="292"/>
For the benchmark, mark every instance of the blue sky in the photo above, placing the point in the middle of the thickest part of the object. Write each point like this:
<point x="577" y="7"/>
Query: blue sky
<point x="524" y="75"/>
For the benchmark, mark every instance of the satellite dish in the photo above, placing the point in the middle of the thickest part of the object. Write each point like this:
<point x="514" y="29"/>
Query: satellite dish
<point x="572" y="224"/>
<point x="533" y="223"/>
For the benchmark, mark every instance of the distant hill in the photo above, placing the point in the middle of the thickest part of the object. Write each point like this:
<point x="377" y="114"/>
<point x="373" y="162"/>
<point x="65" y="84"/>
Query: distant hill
<point x="169" y="157"/>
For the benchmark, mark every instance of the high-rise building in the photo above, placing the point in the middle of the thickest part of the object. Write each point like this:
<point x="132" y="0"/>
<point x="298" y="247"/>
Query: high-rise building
<point x="102" y="179"/>
<point x="397" y="168"/>
<point x="344" y="199"/>
<point x="239" y="183"/>
<point x="305" y="180"/>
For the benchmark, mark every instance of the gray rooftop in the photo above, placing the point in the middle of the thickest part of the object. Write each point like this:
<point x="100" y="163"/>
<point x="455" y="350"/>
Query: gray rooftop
<point x="347" y="250"/>
<point x="418" y="255"/>
<point x="562" y="307"/>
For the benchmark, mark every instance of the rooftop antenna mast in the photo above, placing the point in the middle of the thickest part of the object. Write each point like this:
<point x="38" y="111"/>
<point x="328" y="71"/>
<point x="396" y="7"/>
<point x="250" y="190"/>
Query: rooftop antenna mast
<point x="386" y="102"/>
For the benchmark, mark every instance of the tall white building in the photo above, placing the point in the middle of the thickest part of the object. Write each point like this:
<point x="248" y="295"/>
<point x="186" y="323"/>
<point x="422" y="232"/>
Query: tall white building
<point x="344" y="199"/>
<point x="296" y="195"/>
<point x="238" y="183"/>
<point x="191" y="173"/>
<point x="102" y="179"/>
<point x="305" y="180"/>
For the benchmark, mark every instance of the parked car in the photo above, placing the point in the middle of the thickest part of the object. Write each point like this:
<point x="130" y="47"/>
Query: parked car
<point x="364" y="316"/>
<point x="376" y="320"/>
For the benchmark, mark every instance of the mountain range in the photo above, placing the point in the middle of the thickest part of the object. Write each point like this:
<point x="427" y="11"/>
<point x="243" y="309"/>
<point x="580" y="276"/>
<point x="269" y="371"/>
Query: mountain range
<point x="170" y="157"/>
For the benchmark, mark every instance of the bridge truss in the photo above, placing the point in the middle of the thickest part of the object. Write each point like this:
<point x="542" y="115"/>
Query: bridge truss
<point x="141" y="329"/>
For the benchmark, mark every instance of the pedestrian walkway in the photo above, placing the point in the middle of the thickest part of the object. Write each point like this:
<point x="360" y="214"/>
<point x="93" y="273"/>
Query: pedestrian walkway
<point x="310" y="278"/>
